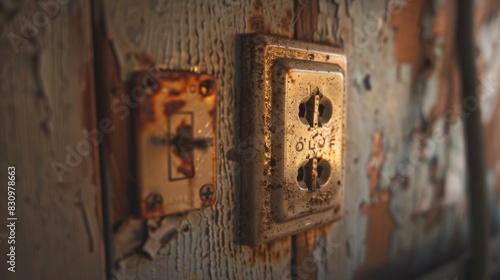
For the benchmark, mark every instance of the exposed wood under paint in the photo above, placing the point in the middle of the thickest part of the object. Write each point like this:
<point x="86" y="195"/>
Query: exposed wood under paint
<point x="47" y="106"/>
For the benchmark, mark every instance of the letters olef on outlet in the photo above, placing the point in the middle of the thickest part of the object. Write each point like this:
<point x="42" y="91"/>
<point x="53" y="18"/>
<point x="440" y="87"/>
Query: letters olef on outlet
<point x="295" y="181"/>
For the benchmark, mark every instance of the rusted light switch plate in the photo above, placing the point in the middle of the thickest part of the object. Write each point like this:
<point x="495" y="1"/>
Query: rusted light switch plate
<point x="293" y="121"/>
<point x="176" y="133"/>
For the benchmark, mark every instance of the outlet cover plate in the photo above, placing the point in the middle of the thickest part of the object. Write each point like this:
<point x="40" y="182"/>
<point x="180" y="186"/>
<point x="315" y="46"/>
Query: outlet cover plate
<point x="293" y="133"/>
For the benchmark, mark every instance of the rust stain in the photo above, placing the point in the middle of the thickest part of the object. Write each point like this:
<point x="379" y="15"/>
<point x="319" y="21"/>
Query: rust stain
<point x="257" y="5"/>
<point x="286" y="21"/>
<point x="187" y="164"/>
<point x="176" y="84"/>
<point x="380" y="221"/>
<point x="258" y="24"/>
<point x="174" y="106"/>
<point x="305" y="243"/>
<point x="407" y="42"/>
<point x="272" y="252"/>
<point x="144" y="209"/>
<point x="256" y="21"/>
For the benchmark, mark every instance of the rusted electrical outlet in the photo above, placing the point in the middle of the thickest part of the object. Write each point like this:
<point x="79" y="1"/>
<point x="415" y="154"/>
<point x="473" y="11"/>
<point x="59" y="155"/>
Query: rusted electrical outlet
<point x="293" y="121"/>
<point x="176" y="133"/>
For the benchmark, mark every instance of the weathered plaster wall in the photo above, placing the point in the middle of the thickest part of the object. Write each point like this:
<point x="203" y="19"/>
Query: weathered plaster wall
<point x="405" y="187"/>
<point x="405" y="199"/>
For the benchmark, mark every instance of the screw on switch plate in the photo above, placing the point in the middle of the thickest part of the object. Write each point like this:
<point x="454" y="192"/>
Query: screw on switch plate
<point x="153" y="202"/>
<point x="207" y="194"/>
<point x="293" y="117"/>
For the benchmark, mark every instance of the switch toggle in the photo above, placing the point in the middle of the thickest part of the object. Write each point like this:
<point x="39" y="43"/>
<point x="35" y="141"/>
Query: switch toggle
<point x="176" y="132"/>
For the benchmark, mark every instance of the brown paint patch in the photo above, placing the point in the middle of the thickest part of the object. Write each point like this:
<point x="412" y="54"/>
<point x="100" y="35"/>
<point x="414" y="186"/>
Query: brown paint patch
<point x="448" y="102"/>
<point x="375" y="162"/>
<point x="303" y="258"/>
<point x="406" y="21"/>
<point x="380" y="222"/>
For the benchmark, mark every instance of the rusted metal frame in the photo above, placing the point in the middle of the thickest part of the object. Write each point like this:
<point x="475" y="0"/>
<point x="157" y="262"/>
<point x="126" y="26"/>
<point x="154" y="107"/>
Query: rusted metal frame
<point x="476" y="185"/>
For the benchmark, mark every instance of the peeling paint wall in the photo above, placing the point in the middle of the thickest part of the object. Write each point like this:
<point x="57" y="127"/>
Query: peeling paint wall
<point x="405" y="201"/>
<point x="405" y="189"/>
